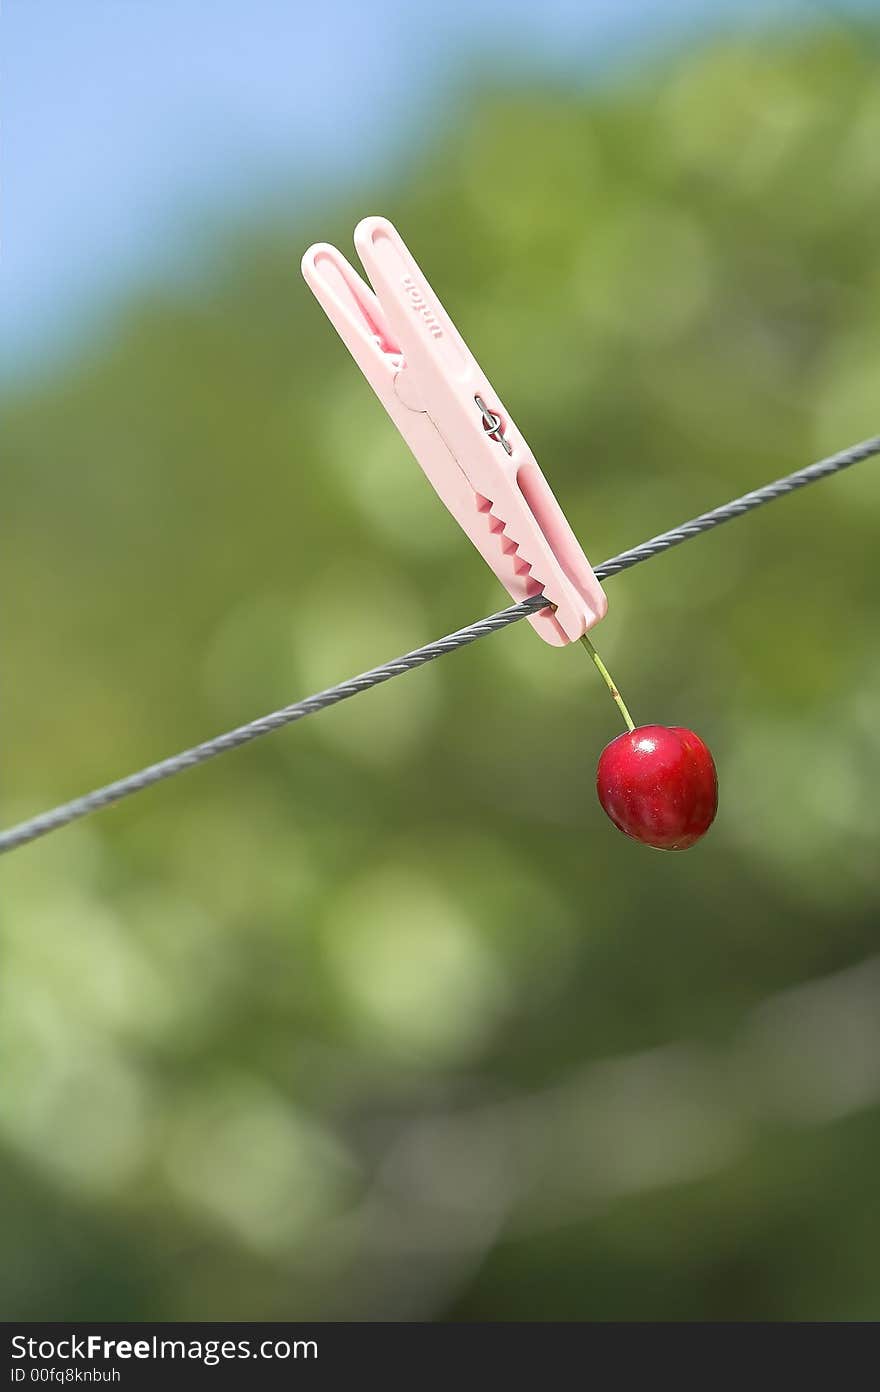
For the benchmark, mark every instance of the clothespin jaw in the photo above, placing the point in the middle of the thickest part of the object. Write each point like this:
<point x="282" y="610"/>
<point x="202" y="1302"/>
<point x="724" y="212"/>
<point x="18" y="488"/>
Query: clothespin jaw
<point x="428" y="381"/>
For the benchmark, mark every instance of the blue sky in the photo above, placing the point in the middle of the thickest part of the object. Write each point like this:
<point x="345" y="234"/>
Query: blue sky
<point x="126" y="123"/>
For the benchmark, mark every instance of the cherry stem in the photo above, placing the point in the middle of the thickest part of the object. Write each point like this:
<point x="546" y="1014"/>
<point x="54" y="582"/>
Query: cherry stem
<point x="606" y="677"/>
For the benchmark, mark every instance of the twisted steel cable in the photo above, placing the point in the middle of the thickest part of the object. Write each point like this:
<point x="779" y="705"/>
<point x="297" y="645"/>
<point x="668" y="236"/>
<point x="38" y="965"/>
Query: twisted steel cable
<point x="60" y="816"/>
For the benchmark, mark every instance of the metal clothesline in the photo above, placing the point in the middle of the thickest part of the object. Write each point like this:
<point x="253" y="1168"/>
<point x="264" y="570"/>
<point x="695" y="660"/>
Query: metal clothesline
<point x="105" y="796"/>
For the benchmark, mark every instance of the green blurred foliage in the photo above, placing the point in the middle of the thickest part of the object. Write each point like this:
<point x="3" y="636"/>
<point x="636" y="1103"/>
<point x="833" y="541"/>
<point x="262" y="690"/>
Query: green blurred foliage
<point x="380" y="1017"/>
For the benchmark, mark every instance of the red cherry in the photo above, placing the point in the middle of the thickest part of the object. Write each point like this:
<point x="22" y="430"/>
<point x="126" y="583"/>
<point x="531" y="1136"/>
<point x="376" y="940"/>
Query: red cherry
<point x="658" y="784"/>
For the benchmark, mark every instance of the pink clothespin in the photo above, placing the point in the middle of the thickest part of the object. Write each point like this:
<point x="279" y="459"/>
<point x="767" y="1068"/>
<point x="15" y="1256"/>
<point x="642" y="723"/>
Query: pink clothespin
<point x="421" y="370"/>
